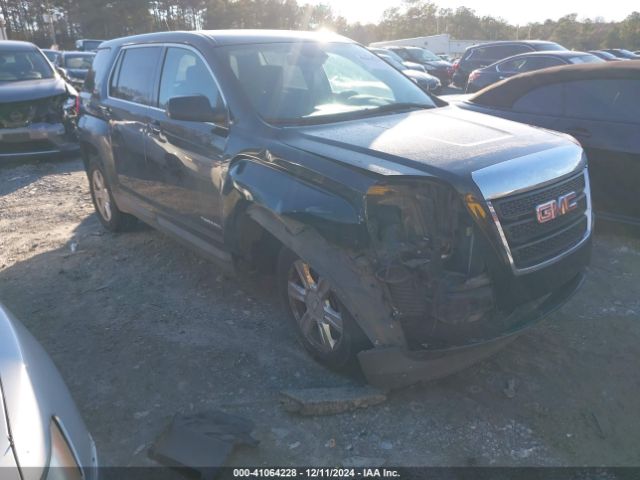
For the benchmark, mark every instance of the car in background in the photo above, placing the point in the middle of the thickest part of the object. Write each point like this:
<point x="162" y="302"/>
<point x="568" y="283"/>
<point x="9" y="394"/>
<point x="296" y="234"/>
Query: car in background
<point x="599" y="105"/>
<point x="88" y="45"/>
<point x="52" y="55"/>
<point x="433" y="64"/>
<point x="606" y="56"/>
<point x="42" y="434"/>
<point x="427" y="82"/>
<point x="482" y="55"/>
<point x="622" y="53"/>
<point x="525" y="62"/>
<point x="75" y="65"/>
<point x="38" y="107"/>
<point x="407" y="65"/>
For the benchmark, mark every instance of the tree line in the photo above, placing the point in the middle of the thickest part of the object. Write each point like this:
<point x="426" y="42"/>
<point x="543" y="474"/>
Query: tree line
<point x="43" y="21"/>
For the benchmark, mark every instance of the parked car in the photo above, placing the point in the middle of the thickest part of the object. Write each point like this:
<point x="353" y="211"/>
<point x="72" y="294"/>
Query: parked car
<point x="415" y="238"/>
<point x="37" y="106"/>
<point x="88" y="45"/>
<point x="525" y="62"/>
<point x="622" y="53"/>
<point x="479" y="56"/>
<point x="407" y="65"/>
<point x="43" y="434"/>
<point x="599" y="105"/>
<point x="51" y="54"/>
<point x="609" y="57"/>
<point x="427" y="82"/>
<point x="432" y="63"/>
<point x="75" y="65"/>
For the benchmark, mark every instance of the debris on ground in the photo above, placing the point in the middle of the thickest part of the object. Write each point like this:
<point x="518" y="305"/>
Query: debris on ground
<point x="330" y="401"/>
<point x="202" y="441"/>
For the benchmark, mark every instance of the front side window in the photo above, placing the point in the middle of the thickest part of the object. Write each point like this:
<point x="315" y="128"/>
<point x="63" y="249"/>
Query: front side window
<point x="20" y="65"/>
<point x="304" y="81"/>
<point x="545" y="100"/>
<point x="585" y="59"/>
<point x="134" y="75"/>
<point x="185" y="74"/>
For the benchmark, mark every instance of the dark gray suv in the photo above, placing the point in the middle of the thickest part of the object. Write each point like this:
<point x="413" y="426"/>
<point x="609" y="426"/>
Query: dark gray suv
<point x="413" y="236"/>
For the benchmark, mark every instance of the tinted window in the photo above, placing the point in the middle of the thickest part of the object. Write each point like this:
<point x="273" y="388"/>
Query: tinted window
<point x="498" y="52"/>
<point x="184" y="73"/>
<point x="606" y="100"/>
<point x="546" y="100"/>
<point x="585" y="59"/>
<point x="133" y="79"/>
<point x="98" y="71"/>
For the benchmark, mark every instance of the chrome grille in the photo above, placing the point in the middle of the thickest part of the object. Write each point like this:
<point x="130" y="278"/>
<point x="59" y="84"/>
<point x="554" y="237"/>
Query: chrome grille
<point x="530" y="243"/>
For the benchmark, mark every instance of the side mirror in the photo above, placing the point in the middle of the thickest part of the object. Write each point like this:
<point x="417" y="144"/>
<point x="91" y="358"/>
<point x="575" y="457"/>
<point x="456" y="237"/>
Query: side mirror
<point x="195" y="108"/>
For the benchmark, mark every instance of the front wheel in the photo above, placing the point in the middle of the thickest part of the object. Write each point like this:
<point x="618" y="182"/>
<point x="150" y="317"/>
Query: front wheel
<point x="323" y="324"/>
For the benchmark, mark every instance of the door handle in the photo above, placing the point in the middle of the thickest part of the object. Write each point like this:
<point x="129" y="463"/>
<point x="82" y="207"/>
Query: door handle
<point x="579" y="132"/>
<point x="155" y="129"/>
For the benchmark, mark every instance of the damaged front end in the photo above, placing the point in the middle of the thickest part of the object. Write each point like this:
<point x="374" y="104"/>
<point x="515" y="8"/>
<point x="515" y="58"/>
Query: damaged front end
<point x="426" y="251"/>
<point x="445" y="281"/>
<point x="39" y="126"/>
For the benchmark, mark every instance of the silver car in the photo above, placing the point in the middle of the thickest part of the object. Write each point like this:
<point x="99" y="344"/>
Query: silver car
<point x="42" y="435"/>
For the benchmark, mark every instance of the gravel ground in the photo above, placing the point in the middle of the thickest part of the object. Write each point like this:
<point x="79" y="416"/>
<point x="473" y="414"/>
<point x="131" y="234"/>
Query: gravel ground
<point x="141" y="328"/>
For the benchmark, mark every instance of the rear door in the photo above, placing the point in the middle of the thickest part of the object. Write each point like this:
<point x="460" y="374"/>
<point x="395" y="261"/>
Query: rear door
<point x="187" y="158"/>
<point x="128" y="108"/>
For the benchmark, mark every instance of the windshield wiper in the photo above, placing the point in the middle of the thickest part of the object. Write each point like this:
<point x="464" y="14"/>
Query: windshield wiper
<point x="396" y="107"/>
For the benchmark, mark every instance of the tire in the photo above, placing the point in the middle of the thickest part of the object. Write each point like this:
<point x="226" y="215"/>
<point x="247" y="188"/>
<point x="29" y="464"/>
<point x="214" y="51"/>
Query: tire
<point x="111" y="217"/>
<point x="336" y="339"/>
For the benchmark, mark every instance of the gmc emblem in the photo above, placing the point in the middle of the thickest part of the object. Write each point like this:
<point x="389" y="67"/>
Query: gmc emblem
<point x="552" y="209"/>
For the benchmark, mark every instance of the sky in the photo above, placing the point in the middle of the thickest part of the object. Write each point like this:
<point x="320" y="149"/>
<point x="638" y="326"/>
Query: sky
<point x="515" y="11"/>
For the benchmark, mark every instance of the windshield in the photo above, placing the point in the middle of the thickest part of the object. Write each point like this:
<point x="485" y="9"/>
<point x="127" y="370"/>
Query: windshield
<point x="21" y="65"/>
<point x="80" y="61"/>
<point x="423" y="55"/>
<point x="315" y="82"/>
<point x="90" y="44"/>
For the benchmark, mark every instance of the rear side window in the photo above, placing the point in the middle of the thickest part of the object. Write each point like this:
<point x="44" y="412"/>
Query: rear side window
<point x="615" y="100"/>
<point x="184" y="73"/>
<point x="133" y="79"/>
<point x="97" y="72"/>
<point x="546" y="100"/>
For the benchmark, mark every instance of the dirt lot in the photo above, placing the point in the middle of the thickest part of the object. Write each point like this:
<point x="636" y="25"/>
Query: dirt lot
<point x="141" y="328"/>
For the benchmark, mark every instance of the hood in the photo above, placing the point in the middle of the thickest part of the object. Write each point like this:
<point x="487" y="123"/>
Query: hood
<point x="34" y="392"/>
<point x="32" y="89"/>
<point x="447" y="142"/>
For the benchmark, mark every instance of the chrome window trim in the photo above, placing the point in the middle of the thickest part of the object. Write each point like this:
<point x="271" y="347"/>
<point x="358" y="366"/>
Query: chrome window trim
<point x="165" y="45"/>
<point x="521" y="271"/>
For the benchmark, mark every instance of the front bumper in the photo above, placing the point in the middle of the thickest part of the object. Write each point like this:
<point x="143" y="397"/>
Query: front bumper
<point x="395" y="367"/>
<point x="37" y="139"/>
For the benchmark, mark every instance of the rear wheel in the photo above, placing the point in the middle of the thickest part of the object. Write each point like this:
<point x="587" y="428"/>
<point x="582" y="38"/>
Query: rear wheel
<point x="323" y="324"/>
<point x="108" y="213"/>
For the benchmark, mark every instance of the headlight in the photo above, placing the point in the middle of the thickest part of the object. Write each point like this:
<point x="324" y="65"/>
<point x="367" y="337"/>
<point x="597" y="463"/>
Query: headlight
<point x="411" y="222"/>
<point x="62" y="464"/>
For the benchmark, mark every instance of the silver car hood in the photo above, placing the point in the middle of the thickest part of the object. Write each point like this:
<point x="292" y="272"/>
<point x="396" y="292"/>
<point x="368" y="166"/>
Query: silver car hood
<point x="34" y="393"/>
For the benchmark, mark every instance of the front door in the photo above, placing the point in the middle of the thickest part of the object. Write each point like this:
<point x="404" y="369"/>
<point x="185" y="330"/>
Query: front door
<point x="187" y="158"/>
